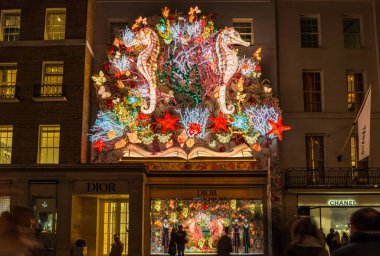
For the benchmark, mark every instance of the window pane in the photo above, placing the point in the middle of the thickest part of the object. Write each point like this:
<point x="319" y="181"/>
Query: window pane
<point x="315" y="152"/>
<point x="312" y="91"/>
<point x="49" y="145"/>
<point x="8" y="77"/>
<point x="309" y="32"/>
<point x="11" y="26"/>
<point x="355" y="91"/>
<point x="245" y="30"/>
<point x="351" y="30"/>
<point x="55" y="24"/>
<point x="6" y="137"/>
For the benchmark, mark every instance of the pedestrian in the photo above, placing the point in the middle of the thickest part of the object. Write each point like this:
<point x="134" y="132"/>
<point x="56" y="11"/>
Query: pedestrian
<point x="344" y="240"/>
<point x="172" y="244"/>
<point x="181" y="240"/>
<point x="336" y="240"/>
<point x="117" y="247"/>
<point x="365" y="234"/>
<point x="306" y="239"/>
<point x="224" y="246"/>
<point x="329" y="240"/>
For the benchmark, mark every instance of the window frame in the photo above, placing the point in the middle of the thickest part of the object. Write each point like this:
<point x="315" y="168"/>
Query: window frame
<point x="8" y="86"/>
<point x="313" y="161"/>
<point x="361" y="35"/>
<point x="245" y="20"/>
<point x="321" y="90"/>
<point x="52" y="86"/>
<point x="54" y="148"/>
<point x="48" y="12"/>
<point x="319" y="34"/>
<point x="363" y="164"/>
<point x="3" y="14"/>
<point x="8" y="129"/>
<point x="356" y="104"/>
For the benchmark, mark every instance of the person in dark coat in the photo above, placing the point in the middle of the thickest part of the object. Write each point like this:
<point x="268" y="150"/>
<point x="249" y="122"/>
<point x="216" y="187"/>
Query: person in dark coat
<point x="306" y="239"/>
<point x="365" y="234"/>
<point x="181" y="240"/>
<point x="330" y="240"/>
<point x="224" y="246"/>
<point x="172" y="244"/>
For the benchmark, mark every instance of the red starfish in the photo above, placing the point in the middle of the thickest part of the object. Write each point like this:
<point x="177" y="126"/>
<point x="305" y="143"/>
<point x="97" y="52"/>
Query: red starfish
<point x="168" y="122"/>
<point x="99" y="145"/>
<point x="143" y="117"/>
<point x="220" y="123"/>
<point x="278" y="127"/>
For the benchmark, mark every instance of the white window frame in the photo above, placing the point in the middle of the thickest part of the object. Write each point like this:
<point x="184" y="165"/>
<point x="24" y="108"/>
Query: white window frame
<point x="48" y="12"/>
<point x="322" y="89"/>
<point x="11" y="148"/>
<point x="39" y="142"/>
<point x="245" y="20"/>
<point x="5" y="90"/>
<point x="312" y="16"/>
<point x="364" y="84"/>
<point x="362" y="38"/>
<point x="3" y="14"/>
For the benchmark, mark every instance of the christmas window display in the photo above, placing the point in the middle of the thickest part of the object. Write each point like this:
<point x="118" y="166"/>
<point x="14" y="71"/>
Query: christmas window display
<point x="204" y="221"/>
<point x="174" y="86"/>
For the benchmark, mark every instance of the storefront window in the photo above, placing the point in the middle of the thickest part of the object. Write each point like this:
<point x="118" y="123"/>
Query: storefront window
<point x="204" y="221"/>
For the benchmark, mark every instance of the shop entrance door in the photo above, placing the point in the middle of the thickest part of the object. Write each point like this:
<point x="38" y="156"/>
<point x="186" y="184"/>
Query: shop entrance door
<point x="114" y="216"/>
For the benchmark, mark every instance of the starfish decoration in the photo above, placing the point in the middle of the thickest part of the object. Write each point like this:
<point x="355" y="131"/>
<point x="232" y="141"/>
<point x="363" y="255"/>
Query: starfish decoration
<point x="278" y="128"/>
<point x="168" y="122"/>
<point x="143" y="118"/>
<point x="220" y="123"/>
<point x="99" y="145"/>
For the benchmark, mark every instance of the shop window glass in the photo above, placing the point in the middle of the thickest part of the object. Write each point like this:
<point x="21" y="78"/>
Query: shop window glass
<point x="309" y="31"/>
<point x="6" y="137"/>
<point x="5" y="203"/>
<point x="8" y="75"/>
<point x="312" y="91"/>
<point x="55" y="24"/>
<point x="355" y="91"/>
<point x="204" y="220"/>
<point x="351" y="31"/>
<point x="245" y="29"/>
<point x="49" y="144"/>
<point x="10" y="25"/>
<point x="115" y="220"/>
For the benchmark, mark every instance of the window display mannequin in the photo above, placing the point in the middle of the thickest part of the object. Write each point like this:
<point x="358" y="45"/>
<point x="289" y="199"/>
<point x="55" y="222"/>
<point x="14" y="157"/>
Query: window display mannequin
<point x="165" y="235"/>
<point x="236" y="233"/>
<point x="246" y="236"/>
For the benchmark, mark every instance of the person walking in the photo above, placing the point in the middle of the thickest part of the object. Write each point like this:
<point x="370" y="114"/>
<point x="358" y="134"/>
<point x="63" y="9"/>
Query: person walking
<point x="224" y="247"/>
<point x="117" y="246"/>
<point x="172" y="244"/>
<point x="329" y="240"/>
<point x="344" y="240"/>
<point x="365" y="234"/>
<point x="181" y="240"/>
<point x="306" y="239"/>
<point x="336" y="240"/>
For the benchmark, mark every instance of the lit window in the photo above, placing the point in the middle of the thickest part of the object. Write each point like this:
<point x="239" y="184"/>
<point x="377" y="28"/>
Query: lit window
<point x="312" y="91"/>
<point x="351" y="31"/>
<point x="245" y="29"/>
<point x="49" y="144"/>
<point x="55" y="24"/>
<point x="10" y="25"/>
<point x="363" y="164"/>
<point x="309" y="32"/>
<point x="6" y="136"/>
<point x="52" y="79"/>
<point x="8" y="75"/>
<point x="5" y="204"/>
<point x="355" y="91"/>
<point x="116" y="29"/>
<point x="315" y="157"/>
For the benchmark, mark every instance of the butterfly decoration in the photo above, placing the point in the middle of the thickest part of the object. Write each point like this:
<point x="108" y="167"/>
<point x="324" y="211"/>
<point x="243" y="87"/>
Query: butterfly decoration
<point x="117" y="55"/>
<point x="99" y="79"/>
<point x="194" y="10"/>
<point x="267" y="89"/>
<point x="103" y="93"/>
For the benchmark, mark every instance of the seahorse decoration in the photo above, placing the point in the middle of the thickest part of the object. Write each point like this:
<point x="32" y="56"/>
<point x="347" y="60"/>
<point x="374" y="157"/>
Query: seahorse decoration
<point x="147" y="63"/>
<point x="227" y="63"/>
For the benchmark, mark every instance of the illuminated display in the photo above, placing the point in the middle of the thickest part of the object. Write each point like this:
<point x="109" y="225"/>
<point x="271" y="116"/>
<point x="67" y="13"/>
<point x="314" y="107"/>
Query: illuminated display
<point x="176" y="84"/>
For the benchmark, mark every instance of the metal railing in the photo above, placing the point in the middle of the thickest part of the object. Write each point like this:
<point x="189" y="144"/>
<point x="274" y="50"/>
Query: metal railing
<point x="332" y="177"/>
<point x="48" y="90"/>
<point x="7" y="92"/>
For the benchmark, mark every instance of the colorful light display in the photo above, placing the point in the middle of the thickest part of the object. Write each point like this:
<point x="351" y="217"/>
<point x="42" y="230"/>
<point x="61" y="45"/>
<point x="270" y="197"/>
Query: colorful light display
<point x="176" y="82"/>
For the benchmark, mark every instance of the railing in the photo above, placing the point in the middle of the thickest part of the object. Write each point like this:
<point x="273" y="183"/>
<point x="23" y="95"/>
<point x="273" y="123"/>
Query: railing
<point x="7" y="92"/>
<point x="48" y="90"/>
<point x="332" y="177"/>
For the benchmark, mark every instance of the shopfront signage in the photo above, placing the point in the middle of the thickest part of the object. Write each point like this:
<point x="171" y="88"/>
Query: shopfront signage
<point x="207" y="193"/>
<point x="100" y="187"/>
<point x="345" y="202"/>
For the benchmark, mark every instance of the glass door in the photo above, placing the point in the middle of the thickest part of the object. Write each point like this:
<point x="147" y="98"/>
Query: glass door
<point x="114" y="219"/>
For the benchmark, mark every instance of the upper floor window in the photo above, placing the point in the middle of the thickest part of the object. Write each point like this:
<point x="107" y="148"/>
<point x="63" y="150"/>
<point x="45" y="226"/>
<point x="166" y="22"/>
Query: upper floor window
<point x="8" y="76"/>
<point x="55" y="24"/>
<point x="116" y="29"/>
<point x="315" y="156"/>
<point x="351" y="31"/>
<point x="355" y="91"/>
<point x="10" y="25"/>
<point x="245" y="28"/>
<point x="6" y="136"/>
<point x="310" y="35"/>
<point x="355" y="163"/>
<point x="312" y="91"/>
<point x="48" y="151"/>
<point x="52" y="79"/>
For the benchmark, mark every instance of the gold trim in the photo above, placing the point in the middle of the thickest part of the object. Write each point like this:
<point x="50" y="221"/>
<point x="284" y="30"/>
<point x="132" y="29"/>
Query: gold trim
<point x="181" y="160"/>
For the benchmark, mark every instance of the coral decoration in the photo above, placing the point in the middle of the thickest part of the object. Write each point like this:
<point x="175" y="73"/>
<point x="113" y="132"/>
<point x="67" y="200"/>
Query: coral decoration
<point x="278" y="128"/>
<point x="99" y="145"/>
<point x="168" y="122"/>
<point x="219" y="123"/>
<point x="181" y="64"/>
